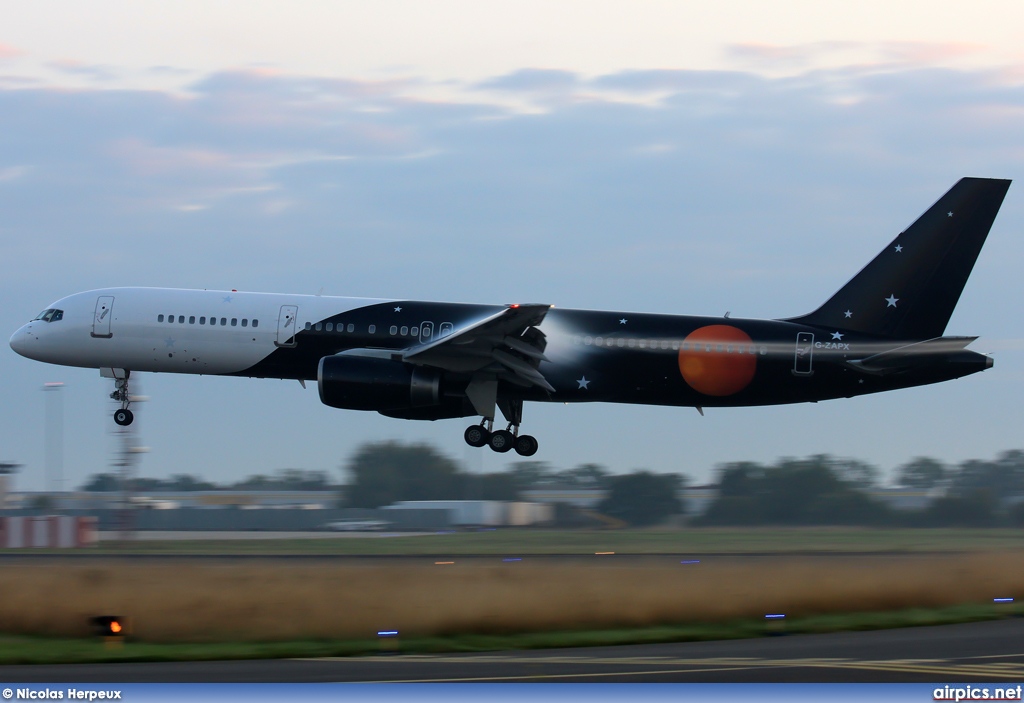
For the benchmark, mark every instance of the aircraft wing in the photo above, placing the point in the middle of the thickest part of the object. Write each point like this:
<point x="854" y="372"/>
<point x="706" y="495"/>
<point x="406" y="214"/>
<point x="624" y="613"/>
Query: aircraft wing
<point x="507" y="344"/>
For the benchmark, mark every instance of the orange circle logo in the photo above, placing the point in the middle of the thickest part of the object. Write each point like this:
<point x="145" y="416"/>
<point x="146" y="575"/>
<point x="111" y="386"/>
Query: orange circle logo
<point x="717" y="360"/>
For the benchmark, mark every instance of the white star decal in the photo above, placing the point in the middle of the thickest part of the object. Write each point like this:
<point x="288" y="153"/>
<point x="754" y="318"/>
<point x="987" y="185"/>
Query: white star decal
<point x="848" y="314"/>
<point x="398" y="308"/>
<point x="892" y="300"/>
<point x="622" y="321"/>
<point x="837" y="335"/>
<point x="584" y="383"/>
<point x="227" y="298"/>
<point x="899" y="248"/>
<point x="949" y="214"/>
<point x="169" y="342"/>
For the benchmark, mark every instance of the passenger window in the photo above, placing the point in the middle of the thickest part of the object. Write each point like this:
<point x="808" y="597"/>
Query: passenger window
<point x="394" y="330"/>
<point x="373" y="329"/>
<point x="191" y="319"/>
<point x="223" y="322"/>
<point x="202" y="320"/>
<point x="351" y="327"/>
<point x="643" y="344"/>
<point x="599" y="341"/>
<point x="181" y="319"/>
<point x="245" y="322"/>
<point x="159" y="318"/>
<point x="415" y="331"/>
<point x="309" y="326"/>
<point x="330" y="326"/>
<point x="255" y="323"/>
<point x="405" y="330"/>
<point x="234" y="321"/>
<point x="319" y="327"/>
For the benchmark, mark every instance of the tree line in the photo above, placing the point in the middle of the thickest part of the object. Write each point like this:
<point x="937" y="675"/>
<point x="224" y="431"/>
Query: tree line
<point x="283" y="480"/>
<point x="824" y="490"/>
<point x="817" y="490"/>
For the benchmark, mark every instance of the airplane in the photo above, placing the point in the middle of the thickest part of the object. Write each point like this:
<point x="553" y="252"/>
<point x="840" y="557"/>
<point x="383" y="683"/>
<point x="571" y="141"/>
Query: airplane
<point x="419" y="360"/>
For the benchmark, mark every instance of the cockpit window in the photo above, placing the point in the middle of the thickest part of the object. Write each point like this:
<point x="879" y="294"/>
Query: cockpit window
<point x="50" y="315"/>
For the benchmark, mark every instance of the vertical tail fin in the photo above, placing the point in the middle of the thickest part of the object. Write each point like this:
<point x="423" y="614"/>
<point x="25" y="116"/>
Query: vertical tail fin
<point x="909" y="290"/>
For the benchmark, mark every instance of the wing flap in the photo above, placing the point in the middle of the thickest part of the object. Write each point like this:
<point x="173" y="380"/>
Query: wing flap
<point x="497" y="344"/>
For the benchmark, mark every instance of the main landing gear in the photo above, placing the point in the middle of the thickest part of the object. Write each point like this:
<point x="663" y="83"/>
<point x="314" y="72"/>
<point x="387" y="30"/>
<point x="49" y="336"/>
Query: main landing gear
<point x="122" y="416"/>
<point x="502" y="440"/>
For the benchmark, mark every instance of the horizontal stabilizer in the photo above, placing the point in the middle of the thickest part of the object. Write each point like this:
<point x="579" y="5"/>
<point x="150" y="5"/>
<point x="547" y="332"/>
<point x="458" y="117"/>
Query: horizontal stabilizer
<point x="912" y="355"/>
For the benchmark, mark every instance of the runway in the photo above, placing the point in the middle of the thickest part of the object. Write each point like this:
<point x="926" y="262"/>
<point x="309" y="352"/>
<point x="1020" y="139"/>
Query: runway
<point x="973" y="652"/>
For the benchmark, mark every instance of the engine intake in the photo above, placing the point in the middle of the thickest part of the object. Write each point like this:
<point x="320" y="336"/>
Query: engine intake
<point x="361" y="383"/>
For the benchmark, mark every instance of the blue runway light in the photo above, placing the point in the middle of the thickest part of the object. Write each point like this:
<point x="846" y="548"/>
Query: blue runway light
<point x="1002" y="600"/>
<point x="774" y="616"/>
<point x="387" y="633"/>
<point x="690" y="561"/>
<point x="513" y="559"/>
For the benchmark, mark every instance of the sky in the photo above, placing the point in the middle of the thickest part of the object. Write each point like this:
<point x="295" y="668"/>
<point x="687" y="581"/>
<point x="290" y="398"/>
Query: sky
<point x="634" y="156"/>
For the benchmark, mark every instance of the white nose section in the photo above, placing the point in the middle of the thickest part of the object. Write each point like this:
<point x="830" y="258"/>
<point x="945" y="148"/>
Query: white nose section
<point x="21" y="342"/>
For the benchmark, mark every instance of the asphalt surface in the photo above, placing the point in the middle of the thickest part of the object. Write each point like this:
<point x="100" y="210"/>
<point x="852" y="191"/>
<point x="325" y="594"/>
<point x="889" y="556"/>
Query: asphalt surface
<point x="989" y="651"/>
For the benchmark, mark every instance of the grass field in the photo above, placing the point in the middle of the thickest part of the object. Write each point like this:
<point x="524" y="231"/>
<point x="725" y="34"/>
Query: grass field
<point x="188" y="601"/>
<point x="273" y="607"/>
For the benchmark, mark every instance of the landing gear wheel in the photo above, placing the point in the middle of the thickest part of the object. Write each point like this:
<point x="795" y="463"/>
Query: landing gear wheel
<point x="525" y="445"/>
<point x="502" y="441"/>
<point x="124" y="417"/>
<point x="477" y="435"/>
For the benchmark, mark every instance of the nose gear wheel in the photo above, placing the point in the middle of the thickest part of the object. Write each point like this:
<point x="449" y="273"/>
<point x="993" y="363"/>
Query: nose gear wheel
<point x="122" y="416"/>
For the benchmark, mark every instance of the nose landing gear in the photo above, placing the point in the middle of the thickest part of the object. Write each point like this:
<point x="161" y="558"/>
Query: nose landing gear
<point x="122" y="416"/>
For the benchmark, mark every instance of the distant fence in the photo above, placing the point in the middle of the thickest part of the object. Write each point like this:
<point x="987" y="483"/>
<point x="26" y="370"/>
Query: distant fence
<point x="48" y="531"/>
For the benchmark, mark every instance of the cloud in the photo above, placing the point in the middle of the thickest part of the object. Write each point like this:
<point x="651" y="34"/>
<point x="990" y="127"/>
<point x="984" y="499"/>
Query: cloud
<point x="346" y="158"/>
<point x="928" y="53"/>
<point x="12" y="173"/>
<point x="796" y="59"/>
<point x="96" y="72"/>
<point x="9" y="52"/>
<point x="533" y="80"/>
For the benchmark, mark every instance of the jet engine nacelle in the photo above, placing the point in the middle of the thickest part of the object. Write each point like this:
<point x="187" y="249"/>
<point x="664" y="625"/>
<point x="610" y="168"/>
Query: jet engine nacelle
<point x="363" y="383"/>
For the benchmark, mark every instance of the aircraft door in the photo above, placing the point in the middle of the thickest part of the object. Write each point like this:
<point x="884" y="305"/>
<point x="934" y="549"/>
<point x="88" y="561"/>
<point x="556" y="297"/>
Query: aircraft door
<point x="803" y="358"/>
<point x="101" y="318"/>
<point x="286" y="326"/>
<point x="426" y="332"/>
